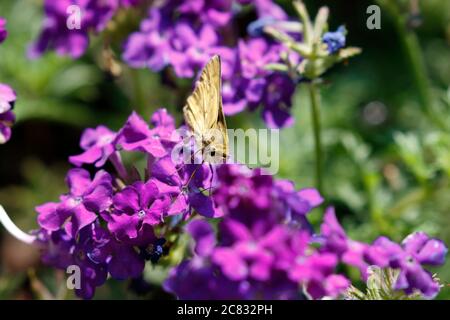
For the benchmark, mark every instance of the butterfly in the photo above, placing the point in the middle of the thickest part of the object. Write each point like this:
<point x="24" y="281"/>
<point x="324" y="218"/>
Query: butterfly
<point x="203" y="114"/>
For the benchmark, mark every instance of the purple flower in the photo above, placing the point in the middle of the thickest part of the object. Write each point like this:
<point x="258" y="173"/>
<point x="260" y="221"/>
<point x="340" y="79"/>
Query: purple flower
<point x="85" y="200"/>
<point x="335" y="40"/>
<point x="416" y="250"/>
<point x="56" y="248"/>
<point x="315" y="271"/>
<point x="3" y="32"/>
<point x="60" y="250"/>
<point x="192" y="280"/>
<point x="159" y="44"/>
<point x="245" y="260"/>
<point x="125" y="262"/>
<point x="98" y="144"/>
<point x="220" y="12"/>
<point x="334" y="240"/>
<point x="333" y="286"/>
<point x="247" y="84"/>
<point x="150" y="47"/>
<point x="215" y="12"/>
<point x="269" y="263"/>
<point x="250" y="196"/>
<point x="137" y="136"/>
<point x="243" y="270"/>
<point x="203" y="235"/>
<point x="192" y="48"/>
<point x="163" y="123"/>
<point x="261" y="259"/>
<point x="7" y="117"/>
<point x="254" y="85"/>
<point x="186" y="34"/>
<point x="255" y="54"/>
<point x="185" y="184"/>
<point x="277" y="100"/>
<point x="164" y="129"/>
<point x="102" y="144"/>
<point x="264" y="259"/>
<point x="135" y="206"/>
<point x="296" y="204"/>
<point x="241" y="187"/>
<point x="121" y="260"/>
<point x="56" y="35"/>
<point x="93" y="273"/>
<point x="427" y="250"/>
<point x="94" y="252"/>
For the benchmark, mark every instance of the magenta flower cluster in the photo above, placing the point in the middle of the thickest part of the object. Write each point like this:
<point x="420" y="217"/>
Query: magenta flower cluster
<point x="185" y="34"/>
<point x="262" y="250"/>
<point x="416" y="250"/>
<point x="105" y="223"/>
<point x="7" y="98"/>
<point x="111" y="222"/>
<point x="93" y="16"/>
<point x="266" y="248"/>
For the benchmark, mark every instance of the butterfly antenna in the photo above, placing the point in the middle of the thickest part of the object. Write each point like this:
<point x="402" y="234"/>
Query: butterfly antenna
<point x="193" y="174"/>
<point x="210" y="181"/>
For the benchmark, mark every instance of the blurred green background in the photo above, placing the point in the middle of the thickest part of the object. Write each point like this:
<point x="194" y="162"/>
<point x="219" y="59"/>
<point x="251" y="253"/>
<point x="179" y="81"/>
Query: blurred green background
<point x="387" y="165"/>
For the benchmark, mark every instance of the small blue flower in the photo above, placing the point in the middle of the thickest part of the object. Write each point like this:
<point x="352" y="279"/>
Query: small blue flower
<point x="256" y="28"/>
<point x="154" y="251"/>
<point x="335" y="40"/>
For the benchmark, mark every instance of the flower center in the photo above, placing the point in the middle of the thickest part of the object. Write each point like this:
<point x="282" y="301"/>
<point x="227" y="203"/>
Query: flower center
<point x="243" y="189"/>
<point x="106" y="140"/>
<point x="141" y="213"/>
<point x="252" y="246"/>
<point x="76" y="201"/>
<point x="410" y="260"/>
<point x="300" y="260"/>
<point x="185" y="189"/>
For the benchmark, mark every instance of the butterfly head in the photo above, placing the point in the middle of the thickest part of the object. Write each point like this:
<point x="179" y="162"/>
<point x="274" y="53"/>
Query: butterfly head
<point x="213" y="149"/>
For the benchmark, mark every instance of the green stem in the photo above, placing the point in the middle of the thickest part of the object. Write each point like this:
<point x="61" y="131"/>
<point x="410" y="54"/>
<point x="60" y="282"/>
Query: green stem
<point x="314" y="95"/>
<point x="416" y="63"/>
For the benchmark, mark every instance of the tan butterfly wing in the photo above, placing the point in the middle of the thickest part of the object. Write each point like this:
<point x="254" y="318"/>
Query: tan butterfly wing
<point x="203" y="111"/>
<point x="222" y="127"/>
